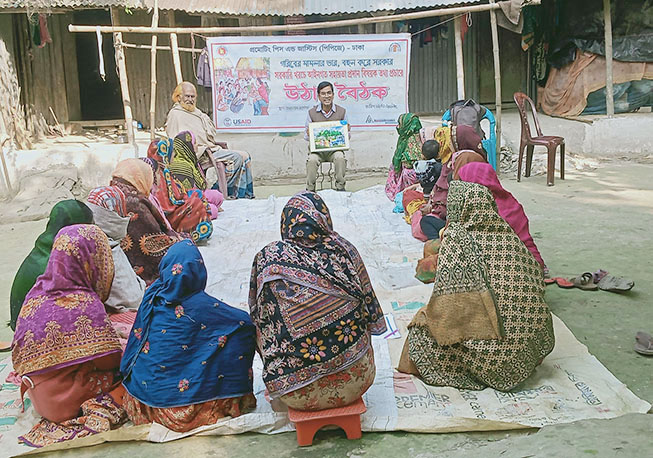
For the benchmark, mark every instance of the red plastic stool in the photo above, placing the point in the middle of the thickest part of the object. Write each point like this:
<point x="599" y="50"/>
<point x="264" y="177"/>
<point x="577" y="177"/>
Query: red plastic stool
<point x="308" y="423"/>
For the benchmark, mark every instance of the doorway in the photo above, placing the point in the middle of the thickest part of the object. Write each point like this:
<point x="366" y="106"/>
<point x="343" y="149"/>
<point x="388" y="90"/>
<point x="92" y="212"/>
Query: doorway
<point x="100" y="99"/>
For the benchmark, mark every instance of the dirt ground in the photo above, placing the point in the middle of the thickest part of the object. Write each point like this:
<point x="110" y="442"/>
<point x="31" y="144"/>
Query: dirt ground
<point x="594" y="219"/>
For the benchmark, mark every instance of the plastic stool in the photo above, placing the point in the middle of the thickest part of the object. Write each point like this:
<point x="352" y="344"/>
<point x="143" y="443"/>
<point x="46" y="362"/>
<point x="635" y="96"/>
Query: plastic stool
<point x="308" y="423"/>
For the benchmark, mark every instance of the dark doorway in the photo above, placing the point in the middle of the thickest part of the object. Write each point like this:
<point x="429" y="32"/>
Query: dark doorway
<point x="100" y="99"/>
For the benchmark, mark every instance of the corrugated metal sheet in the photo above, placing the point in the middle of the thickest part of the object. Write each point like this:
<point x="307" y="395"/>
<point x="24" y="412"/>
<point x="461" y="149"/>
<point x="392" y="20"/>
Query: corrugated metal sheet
<point x="45" y="5"/>
<point x="299" y="7"/>
<point x="432" y="85"/>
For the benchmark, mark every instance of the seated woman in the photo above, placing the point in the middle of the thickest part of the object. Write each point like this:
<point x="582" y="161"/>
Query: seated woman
<point x="408" y="150"/>
<point x="488" y="326"/>
<point x="189" y="357"/>
<point x="185" y="169"/>
<point x="64" y="348"/>
<point x="467" y="145"/>
<point x="109" y="208"/>
<point x="148" y="237"/>
<point x="186" y="212"/>
<point x="509" y="208"/>
<point x="315" y="311"/>
<point x="64" y="213"/>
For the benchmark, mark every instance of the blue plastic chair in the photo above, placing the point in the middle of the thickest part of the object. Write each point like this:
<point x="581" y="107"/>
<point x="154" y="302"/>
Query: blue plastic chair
<point x="489" y="144"/>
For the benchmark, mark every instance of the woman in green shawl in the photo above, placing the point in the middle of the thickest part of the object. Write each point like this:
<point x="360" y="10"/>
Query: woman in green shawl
<point x="64" y="213"/>
<point x="408" y="150"/>
<point x="183" y="165"/>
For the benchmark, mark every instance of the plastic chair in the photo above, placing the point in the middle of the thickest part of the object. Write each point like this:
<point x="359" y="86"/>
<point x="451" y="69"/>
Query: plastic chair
<point x="322" y="175"/>
<point x="308" y="423"/>
<point x="221" y="170"/>
<point x="529" y="142"/>
<point x="489" y="144"/>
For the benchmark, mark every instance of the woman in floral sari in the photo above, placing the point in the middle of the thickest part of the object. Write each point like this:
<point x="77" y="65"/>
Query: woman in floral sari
<point x="487" y="323"/>
<point x="64" y="213"/>
<point x="148" y="236"/>
<point x="315" y="311"/>
<point x="64" y="348"/>
<point x="189" y="356"/>
<point x="408" y="150"/>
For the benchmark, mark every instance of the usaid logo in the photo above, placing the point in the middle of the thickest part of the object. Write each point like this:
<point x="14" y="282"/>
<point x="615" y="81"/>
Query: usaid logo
<point x="242" y="122"/>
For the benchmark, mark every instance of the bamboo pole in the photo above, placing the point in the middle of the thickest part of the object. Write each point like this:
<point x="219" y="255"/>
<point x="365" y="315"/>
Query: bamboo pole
<point x="155" y="23"/>
<point x="4" y="138"/>
<point x="497" y="82"/>
<point x="460" y="69"/>
<point x="124" y="85"/>
<point x="159" y="48"/>
<point x="609" y="92"/>
<point x="175" y="57"/>
<point x="290" y="27"/>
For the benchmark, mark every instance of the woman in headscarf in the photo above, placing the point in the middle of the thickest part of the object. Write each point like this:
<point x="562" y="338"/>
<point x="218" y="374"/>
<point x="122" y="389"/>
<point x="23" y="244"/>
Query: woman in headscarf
<point x="64" y="213"/>
<point x="109" y="208"/>
<point x="486" y="324"/>
<point x="148" y="237"/>
<point x="315" y="311"/>
<point x="64" y="348"/>
<point x="509" y="208"/>
<point x="467" y="145"/>
<point x="186" y="170"/>
<point x="189" y="357"/>
<point x="186" y="212"/>
<point x="408" y="150"/>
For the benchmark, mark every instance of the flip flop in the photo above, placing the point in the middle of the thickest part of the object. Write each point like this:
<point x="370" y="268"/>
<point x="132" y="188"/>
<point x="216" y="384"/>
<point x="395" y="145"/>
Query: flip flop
<point x="615" y="284"/>
<point x="644" y="344"/>
<point x="585" y="282"/>
<point x="5" y="346"/>
<point x="561" y="282"/>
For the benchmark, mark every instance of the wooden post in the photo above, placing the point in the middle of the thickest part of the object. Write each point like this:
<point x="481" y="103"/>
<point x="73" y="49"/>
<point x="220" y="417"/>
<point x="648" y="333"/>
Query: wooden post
<point x="460" y="70"/>
<point x="497" y="81"/>
<point x="609" y="93"/>
<point x="155" y="23"/>
<point x="124" y="85"/>
<point x="4" y="137"/>
<point x="175" y="57"/>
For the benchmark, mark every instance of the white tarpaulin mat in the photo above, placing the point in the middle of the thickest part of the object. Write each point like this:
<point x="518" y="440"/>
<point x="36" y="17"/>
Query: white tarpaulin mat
<point x="570" y="384"/>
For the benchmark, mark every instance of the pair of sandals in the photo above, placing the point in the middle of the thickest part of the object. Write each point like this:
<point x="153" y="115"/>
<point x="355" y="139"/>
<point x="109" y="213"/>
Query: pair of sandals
<point x="589" y="281"/>
<point x="644" y="344"/>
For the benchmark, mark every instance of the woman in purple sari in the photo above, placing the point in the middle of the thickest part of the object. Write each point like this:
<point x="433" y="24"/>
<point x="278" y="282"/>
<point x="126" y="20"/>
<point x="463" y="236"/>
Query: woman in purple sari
<point x="64" y="348"/>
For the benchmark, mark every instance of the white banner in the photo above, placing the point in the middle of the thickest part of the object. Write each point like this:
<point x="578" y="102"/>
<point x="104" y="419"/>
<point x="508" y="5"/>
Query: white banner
<point x="268" y="84"/>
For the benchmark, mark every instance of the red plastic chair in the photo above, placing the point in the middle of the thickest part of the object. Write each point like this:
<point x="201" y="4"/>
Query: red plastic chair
<point x="529" y="142"/>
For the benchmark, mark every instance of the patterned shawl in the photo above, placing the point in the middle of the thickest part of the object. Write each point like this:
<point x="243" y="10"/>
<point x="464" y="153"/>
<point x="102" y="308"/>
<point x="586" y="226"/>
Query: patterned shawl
<point x="310" y="299"/>
<point x="509" y="208"/>
<point x="189" y="214"/>
<point x="63" y="321"/>
<point x="184" y="164"/>
<point x="187" y="347"/>
<point x="109" y="197"/>
<point x="148" y="237"/>
<point x="64" y="213"/>
<point x="409" y="146"/>
<point x="486" y="323"/>
<point x="443" y="137"/>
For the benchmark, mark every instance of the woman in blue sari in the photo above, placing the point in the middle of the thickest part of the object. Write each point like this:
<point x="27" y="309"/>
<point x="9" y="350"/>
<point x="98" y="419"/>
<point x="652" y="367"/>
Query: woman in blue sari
<point x="188" y="361"/>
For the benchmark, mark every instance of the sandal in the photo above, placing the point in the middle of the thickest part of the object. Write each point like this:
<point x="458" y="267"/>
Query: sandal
<point x="615" y="284"/>
<point x="585" y="282"/>
<point x="644" y="344"/>
<point x="561" y="282"/>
